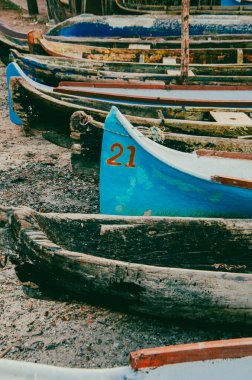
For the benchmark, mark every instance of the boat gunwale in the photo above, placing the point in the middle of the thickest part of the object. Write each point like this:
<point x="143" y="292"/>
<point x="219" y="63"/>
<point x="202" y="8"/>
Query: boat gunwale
<point x="152" y="148"/>
<point x="27" y="226"/>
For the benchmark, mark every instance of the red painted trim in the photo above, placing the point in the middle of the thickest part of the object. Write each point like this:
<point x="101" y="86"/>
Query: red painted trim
<point x="230" y="181"/>
<point x="185" y="353"/>
<point x="218" y="153"/>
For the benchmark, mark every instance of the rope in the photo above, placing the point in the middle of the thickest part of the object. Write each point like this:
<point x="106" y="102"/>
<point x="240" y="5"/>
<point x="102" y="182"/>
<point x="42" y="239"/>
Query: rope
<point x="154" y="133"/>
<point x="5" y="260"/>
<point x="157" y="135"/>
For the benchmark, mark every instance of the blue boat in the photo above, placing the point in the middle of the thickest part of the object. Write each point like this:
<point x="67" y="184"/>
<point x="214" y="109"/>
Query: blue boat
<point x="13" y="70"/>
<point x="231" y="3"/>
<point x="141" y="177"/>
<point x="149" y="26"/>
<point x="157" y="96"/>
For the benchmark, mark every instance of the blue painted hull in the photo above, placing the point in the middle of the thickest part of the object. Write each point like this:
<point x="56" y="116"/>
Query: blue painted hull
<point x="147" y="26"/>
<point x="13" y="70"/>
<point x="153" y="188"/>
<point x="231" y="3"/>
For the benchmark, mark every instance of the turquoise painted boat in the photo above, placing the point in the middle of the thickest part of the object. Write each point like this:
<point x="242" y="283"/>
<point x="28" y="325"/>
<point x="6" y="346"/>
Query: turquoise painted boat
<point x="140" y="177"/>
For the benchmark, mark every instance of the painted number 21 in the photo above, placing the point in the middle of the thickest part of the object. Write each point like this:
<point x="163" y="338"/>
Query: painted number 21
<point x="118" y="147"/>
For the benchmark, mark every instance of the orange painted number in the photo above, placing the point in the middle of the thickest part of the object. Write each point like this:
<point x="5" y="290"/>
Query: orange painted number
<point x="131" y="164"/>
<point x="112" y="160"/>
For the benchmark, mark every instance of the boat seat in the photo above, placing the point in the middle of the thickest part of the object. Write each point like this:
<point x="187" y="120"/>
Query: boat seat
<point x="177" y="73"/>
<point x="139" y="46"/>
<point x="169" y="61"/>
<point x="231" y="117"/>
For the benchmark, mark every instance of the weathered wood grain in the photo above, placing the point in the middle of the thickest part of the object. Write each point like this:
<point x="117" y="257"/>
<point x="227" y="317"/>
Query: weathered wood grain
<point x="133" y="9"/>
<point x="52" y="113"/>
<point x="63" y="247"/>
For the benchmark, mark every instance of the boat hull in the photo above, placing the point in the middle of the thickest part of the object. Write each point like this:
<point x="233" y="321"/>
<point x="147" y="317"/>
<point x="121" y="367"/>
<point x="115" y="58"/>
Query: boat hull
<point x="230" y="358"/>
<point x="145" y="26"/>
<point x="140" y="184"/>
<point x="47" y="112"/>
<point x="229" y="369"/>
<point x="178" y="281"/>
<point x="224" y="7"/>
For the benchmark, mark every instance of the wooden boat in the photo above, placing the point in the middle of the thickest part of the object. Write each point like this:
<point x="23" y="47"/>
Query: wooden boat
<point x="220" y="7"/>
<point x="51" y="71"/>
<point x="7" y="43"/>
<point x="157" y="94"/>
<point x="154" y="265"/>
<point x="11" y="39"/>
<point x="7" y="31"/>
<point x="56" y="69"/>
<point x="14" y="43"/>
<point x="185" y="128"/>
<point x="139" y="176"/>
<point x="145" y="26"/>
<point x="166" y="42"/>
<point x="143" y="55"/>
<point x="230" y="358"/>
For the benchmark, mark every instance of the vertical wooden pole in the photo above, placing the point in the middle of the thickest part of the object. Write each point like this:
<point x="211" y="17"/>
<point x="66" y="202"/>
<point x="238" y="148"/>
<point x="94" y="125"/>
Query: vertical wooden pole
<point x="185" y="13"/>
<point x="73" y="7"/>
<point x="55" y="10"/>
<point x="83" y="6"/>
<point x="32" y="7"/>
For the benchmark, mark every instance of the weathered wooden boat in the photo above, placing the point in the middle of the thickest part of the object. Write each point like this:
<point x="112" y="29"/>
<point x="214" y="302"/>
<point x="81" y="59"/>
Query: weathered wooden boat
<point x="11" y="39"/>
<point x="143" y="55"/>
<point x="154" y="265"/>
<point x="149" y="26"/>
<point x="13" y="43"/>
<point x="7" y="31"/>
<point x="159" y="93"/>
<point x="7" y="43"/>
<point x="197" y="7"/>
<point x="167" y="42"/>
<point x="51" y="71"/>
<point x="140" y="176"/>
<point x="185" y="128"/>
<point x="55" y="69"/>
<point x="228" y="358"/>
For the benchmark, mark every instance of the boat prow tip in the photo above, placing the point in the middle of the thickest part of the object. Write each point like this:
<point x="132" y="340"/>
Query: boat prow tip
<point x="12" y="70"/>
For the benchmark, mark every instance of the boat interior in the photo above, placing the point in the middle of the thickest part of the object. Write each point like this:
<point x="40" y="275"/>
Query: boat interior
<point x="167" y="242"/>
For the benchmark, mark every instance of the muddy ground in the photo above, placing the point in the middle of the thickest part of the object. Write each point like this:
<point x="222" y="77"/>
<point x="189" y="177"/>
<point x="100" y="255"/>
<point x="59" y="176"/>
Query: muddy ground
<point x="42" y="327"/>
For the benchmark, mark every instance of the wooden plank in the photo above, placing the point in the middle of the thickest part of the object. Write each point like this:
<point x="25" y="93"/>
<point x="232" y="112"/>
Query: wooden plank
<point x="185" y="12"/>
<point x="169" y="61"/>
<point x="139" y="46"/>
<point x="231" y="155"/>
<point x="178" y="73"/>
<point x="236" y="182"/>
<point x="239" y="56"/>
<point x="231" y="117"/>
<point x="184" y="353"/>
